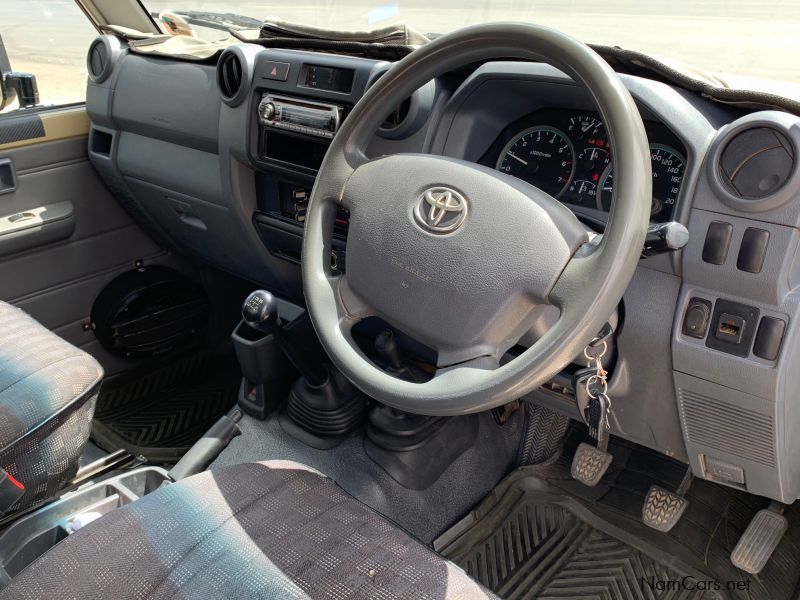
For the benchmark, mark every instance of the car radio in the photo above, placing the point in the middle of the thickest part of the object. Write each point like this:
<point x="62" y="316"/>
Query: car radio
<point x="300" y="116"/>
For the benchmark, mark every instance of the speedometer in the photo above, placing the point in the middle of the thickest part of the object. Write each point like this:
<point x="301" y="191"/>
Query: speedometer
<point x="543" y="156"/>
<point x="668" y="166"/>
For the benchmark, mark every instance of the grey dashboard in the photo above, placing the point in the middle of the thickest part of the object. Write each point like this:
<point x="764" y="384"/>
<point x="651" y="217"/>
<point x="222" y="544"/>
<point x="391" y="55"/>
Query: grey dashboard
<point x="219" y="168"/>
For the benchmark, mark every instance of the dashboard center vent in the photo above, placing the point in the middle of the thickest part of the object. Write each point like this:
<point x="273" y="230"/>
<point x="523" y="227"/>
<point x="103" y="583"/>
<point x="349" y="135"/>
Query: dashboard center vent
<point x="756" y="163"/>
<point x="398" y="115"/>
<point x="229" y="75"/>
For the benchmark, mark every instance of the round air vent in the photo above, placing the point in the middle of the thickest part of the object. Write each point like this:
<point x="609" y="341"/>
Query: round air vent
<point x="753" y="161"/>
<point x="229" y="74"/>
<point x="411" y="114"/>
<point x="756" y="162"/>
<point x="233" y="75"/>
<point x="103" y="53"/>
<point x="398" y="116"/>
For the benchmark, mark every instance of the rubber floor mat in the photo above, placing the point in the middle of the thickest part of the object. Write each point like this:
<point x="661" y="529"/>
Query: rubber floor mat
<point x="161" y="413"/>
<point x="541" y="534"/>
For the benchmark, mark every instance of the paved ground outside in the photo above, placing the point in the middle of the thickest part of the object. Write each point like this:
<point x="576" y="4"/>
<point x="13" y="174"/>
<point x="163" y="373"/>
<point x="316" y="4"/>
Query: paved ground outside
<point x="762" y="39"/>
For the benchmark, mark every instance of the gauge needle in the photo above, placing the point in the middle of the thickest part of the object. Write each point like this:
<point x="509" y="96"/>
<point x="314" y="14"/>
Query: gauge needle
<point x="515" y="157"/>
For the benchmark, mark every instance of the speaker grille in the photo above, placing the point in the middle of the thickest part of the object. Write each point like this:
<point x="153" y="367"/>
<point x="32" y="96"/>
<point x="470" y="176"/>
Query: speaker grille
<point x="727" y="428"/>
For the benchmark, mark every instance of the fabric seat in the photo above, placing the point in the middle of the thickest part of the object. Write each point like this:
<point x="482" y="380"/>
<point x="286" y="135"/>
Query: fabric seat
<point x="255" y="530"/>
<point x="48" y="389"/>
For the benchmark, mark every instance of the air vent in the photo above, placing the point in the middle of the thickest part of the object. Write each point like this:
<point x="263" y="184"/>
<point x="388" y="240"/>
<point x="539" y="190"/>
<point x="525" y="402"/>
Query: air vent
<point x="756" y="162"/>
<point x="398" y="116"/>
<point x="103" y="52"/>
<point x="229" y="75"/>
<point x="727" y="428"/>
<point x="98" y="57"/>
<point x="752" y="163"/>
<point x="235" y="72"/>
<point x="411" y="114"/>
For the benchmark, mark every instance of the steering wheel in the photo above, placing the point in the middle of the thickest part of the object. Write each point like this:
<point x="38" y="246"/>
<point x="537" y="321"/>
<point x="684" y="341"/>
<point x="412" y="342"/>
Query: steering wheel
<point x="464" y="258"/>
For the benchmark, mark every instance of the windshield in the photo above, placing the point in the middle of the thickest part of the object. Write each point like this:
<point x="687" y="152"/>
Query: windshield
<point x="725" y="37"/>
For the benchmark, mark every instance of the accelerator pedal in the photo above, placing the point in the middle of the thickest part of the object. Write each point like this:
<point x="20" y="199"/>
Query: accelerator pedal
<point x="760" y="539"/>
<point x="590" y="464"/>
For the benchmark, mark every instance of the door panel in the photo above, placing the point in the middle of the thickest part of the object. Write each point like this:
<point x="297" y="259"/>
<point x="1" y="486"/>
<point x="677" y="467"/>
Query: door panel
<point x="56" y="281"/>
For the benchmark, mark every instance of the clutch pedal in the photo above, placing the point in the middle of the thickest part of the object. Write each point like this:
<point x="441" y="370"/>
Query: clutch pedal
<point x="760" y="539"/>
<point x="590" y="464"/>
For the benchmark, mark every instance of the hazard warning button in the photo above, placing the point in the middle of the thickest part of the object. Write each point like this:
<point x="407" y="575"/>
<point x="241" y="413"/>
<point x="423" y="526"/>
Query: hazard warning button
<point x="278" y="71"/>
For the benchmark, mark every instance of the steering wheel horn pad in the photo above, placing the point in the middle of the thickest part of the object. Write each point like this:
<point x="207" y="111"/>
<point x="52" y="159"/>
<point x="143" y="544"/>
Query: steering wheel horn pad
<point x="467" y="292"/>
<point x="462" y="257"/>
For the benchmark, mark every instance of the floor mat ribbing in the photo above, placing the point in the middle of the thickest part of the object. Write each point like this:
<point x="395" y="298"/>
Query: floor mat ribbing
<point x="541" y="534"/>
<point x="160" y="414"/>
<point x="541" y="544"/>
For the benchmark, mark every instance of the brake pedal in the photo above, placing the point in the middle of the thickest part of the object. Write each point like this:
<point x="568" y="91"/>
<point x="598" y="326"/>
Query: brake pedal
<point x="760" y="539"/>
<point x="590" y="464"/>
<point x="662" y="509"/>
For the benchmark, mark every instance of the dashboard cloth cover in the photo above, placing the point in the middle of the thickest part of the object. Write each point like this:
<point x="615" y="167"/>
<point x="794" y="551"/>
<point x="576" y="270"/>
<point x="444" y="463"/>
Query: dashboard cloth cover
<point x="399" y="34"/>
<point x="48" y="390"/>
<point x="255" y="530"/>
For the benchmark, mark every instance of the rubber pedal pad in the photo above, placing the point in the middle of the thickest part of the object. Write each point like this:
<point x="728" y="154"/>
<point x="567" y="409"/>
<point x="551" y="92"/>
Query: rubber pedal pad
<point x="589" y="464"/>
<point x="759" y="541"/>
<point x="662" y="509"/>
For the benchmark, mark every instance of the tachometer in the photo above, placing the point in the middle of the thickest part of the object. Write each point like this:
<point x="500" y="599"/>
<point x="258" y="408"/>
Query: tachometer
<point x="543" y="156"/>
<point x="668" y="166"/>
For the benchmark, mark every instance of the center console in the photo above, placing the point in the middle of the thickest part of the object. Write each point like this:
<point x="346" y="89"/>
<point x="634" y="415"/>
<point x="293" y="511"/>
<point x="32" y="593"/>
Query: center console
<point x="296" y="108"/>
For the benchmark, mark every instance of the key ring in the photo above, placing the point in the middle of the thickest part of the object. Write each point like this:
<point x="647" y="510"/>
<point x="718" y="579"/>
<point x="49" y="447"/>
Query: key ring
<point x="598" y="356"/>
<point x="592" y="381"/>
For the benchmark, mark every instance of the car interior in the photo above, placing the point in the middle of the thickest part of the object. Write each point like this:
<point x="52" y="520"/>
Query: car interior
<point x="309" y="312"/>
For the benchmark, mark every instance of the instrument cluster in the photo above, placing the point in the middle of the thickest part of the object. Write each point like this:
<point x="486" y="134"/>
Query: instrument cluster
<point x="568" y="155"/>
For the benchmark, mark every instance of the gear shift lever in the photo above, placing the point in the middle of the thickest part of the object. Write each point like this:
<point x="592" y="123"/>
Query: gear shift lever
<point x="260" y="311"/>
<point x="323" y="407"/>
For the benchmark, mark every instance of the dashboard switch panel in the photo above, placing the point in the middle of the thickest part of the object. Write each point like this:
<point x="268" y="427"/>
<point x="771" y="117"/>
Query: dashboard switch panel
<point x="718" y="240"/>
<point x="697" y="317"/>
<point x="769" y="338"/>
<point x="753" y="250"/>
<point x="733" y="328"/>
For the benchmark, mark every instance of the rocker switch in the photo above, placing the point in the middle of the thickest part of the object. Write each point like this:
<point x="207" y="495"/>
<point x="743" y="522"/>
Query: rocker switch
<point x="695" y="321"/>
<point x="718" y="240"/>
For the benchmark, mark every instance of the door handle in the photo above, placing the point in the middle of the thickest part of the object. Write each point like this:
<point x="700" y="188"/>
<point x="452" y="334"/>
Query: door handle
<point x="23" y="216"/>
<point x="8" y="176"/>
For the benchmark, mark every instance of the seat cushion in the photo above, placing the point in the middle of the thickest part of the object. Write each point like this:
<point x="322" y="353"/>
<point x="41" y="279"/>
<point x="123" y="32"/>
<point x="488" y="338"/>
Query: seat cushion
<point x="47" y="392"/>
<point x="255" y="530"/>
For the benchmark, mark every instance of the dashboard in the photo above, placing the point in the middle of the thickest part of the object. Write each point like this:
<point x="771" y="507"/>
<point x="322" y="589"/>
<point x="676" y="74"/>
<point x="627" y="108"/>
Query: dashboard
<point x="567" y="154"/>
<point x="708" y="335"/>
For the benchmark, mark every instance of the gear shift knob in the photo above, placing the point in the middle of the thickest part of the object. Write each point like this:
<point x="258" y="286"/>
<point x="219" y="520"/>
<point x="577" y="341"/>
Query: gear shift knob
<point x="260" y="311"/>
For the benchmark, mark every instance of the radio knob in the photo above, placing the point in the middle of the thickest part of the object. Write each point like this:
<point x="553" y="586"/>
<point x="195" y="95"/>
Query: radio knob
<point x="267" y="110"/>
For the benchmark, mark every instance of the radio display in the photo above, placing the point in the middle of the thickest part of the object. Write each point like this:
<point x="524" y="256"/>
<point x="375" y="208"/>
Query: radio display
<point x="328" y="78"/>
<point x="305" y="117"/>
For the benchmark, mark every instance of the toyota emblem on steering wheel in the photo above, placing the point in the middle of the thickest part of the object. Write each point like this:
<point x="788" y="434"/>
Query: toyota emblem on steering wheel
<point x="441" y="210"/>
